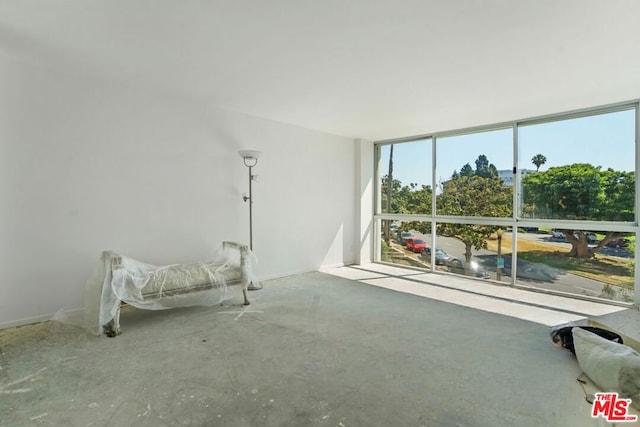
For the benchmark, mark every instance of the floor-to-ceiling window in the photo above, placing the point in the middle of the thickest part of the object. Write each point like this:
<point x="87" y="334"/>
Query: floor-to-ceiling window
<point x="473" y="199"/>
<point x="578" y="174"/>
<point x="548" y="203"/>
<point x="405" y="188"/>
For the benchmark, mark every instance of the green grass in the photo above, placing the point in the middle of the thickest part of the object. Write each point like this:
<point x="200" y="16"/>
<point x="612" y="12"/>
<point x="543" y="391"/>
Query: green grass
<point x="612" y="270"/>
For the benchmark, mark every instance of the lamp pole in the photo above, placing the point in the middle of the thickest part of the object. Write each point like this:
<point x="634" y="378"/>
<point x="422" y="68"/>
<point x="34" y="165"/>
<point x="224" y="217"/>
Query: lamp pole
<point x="250" y="159"/>
<point x="251" y="209"/>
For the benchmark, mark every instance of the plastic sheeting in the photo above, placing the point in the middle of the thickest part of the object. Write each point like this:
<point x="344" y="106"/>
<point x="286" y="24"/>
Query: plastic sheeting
<point x="611" y="366"/>
<point x="119" y="278"/>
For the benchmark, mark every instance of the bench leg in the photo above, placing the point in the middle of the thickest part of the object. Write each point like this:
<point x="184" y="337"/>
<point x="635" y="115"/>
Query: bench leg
<point x="246" y="299"/>
<point x="112" y="328"/>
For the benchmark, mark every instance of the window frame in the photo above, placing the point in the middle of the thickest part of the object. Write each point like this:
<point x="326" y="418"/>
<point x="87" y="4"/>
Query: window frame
<point x="515" y="221"/>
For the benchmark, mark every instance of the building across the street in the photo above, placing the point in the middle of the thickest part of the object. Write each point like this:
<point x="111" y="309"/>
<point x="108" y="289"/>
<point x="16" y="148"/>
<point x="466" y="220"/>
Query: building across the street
<point x="506" y="175"/>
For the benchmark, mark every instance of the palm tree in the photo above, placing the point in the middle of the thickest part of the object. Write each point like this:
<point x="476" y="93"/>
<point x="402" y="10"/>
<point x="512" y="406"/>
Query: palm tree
<point x="387" y="223"/>
<point x="538" y="160"/>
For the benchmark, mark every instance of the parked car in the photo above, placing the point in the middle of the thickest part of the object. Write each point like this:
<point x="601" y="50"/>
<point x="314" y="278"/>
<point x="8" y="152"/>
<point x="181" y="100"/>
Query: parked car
<point x="591" y="237"/>
<point x="404" y="236"/>
<point x="441" y="256"/>
<point x="456" y="265"/>
<point x="530" y="229"/>
<point x="559" y="235"/>
<point x="618" y="243"/>
<point x="415" y="244"/>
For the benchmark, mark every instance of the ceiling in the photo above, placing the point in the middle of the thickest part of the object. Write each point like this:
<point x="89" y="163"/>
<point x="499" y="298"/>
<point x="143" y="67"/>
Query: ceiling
<point x="374" y="69"/>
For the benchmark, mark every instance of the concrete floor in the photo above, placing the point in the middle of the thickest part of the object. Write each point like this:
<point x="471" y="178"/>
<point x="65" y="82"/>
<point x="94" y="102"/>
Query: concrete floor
<point x="311" y="350"/>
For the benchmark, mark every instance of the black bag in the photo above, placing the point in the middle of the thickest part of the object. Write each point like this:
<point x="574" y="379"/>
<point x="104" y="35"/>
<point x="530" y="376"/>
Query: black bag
<point x="564" y="338"/>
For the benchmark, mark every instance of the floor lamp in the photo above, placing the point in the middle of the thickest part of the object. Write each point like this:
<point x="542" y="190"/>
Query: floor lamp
<point x="250" y="158"/>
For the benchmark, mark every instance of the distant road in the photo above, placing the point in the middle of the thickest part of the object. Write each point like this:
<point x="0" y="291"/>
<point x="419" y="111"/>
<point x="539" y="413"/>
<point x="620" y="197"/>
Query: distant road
<point x="547" y="239"/>
<point x="529" y="274"/>
<point x="543" y="238"/>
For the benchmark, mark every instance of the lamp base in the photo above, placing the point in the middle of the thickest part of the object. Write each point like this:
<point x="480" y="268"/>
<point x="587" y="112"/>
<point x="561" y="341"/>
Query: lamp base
<point x="253" y="287"/>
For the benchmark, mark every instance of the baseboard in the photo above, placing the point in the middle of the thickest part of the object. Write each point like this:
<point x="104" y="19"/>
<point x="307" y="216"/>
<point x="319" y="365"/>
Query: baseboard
<point x="286" y="274"/>
<point x="71" y="314"/>
<point x="303" y="271"/>
<point x="331" y="266"/>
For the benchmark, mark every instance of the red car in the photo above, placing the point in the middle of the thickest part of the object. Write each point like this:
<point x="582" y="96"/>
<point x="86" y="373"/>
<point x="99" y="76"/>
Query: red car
<point x="415" y="244"/>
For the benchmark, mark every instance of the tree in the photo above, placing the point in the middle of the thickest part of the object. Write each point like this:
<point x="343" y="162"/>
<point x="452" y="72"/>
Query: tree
<point x="538" y="160"/>
<point x="581" y="191"/>
<point x="387" y="230"/>
<point x="406" y="199"/>
<point x="567" y="192"/>
<point x="466" y="170"/>
<point x="484" y="168"/>
<point x="478" y="192"/>
<point x="619" y="188"/>
<point x="473" y="196"/>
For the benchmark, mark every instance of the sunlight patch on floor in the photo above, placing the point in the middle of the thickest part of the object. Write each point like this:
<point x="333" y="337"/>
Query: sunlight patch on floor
<point x="546" y="309"/>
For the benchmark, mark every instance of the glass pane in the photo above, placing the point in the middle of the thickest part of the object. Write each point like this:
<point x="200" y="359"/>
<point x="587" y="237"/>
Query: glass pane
<point x="405" y="171"/>
<point x="475" y="174"/>
<point x="579" y="169"/>
<point x="548" y="260"/>
<point x="408" y="241"/>
<point x="479" y="251"/>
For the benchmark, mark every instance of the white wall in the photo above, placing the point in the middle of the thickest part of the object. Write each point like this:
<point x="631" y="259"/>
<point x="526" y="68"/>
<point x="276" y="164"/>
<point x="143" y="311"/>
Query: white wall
<point x="364" y="208"/>
<point x="87" y="165"/>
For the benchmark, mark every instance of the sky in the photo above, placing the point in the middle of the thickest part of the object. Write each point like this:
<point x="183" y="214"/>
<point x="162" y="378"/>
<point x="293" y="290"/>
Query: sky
<point x="606" y="140"/>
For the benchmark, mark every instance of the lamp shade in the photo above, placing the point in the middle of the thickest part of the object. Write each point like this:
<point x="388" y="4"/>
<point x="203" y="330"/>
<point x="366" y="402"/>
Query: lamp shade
<point x="250" y="154"/>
